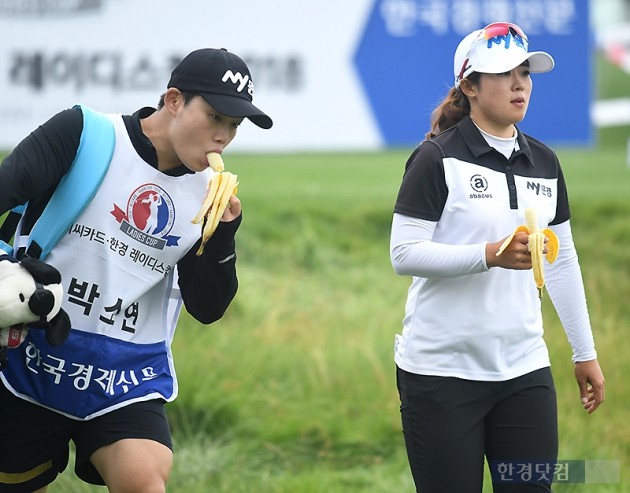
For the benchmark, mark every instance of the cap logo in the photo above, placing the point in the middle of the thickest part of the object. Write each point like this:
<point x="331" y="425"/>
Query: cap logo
<point x="240" y="80"/>
<point x="507" y="39"/>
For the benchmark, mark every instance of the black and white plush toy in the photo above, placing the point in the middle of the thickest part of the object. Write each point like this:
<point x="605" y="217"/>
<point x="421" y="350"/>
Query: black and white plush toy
<point x="30" y="297"/>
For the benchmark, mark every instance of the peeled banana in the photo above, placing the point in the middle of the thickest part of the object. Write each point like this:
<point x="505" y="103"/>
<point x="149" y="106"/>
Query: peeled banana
<point x="221" y="187"/>
<point x="215" y="161"/>
<point x="536" y="246"/>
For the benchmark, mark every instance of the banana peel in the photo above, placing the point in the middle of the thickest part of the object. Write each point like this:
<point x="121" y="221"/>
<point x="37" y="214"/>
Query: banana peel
<point x="221" y="187"/>
<point x="536" y="246"/>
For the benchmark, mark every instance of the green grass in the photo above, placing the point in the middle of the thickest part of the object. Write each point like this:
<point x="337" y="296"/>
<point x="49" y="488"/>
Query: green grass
<point x="293" y="390"/>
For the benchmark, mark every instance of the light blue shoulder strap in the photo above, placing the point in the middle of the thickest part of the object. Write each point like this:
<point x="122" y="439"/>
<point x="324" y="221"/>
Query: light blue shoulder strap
<point x="8" y="227"/>
<point x="78" y="187"/>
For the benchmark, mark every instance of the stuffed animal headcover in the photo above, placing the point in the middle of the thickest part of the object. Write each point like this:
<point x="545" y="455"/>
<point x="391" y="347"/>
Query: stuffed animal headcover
<point x="30" y="297"/>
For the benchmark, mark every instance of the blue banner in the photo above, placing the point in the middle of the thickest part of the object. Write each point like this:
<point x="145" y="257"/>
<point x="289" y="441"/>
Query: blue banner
<point x="405" y="62"/>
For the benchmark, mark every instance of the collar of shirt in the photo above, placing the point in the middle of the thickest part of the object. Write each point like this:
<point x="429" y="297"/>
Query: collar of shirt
<point x="478" y="144"/>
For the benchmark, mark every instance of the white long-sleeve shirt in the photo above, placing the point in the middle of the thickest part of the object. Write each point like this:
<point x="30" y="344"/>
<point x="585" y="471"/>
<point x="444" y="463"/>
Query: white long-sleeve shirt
<point x="461" y="318"/>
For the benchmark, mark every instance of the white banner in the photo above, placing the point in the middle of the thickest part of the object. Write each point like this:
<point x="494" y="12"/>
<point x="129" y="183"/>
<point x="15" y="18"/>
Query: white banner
<point x="116" y="56"/>
<point x="333" y="75"/>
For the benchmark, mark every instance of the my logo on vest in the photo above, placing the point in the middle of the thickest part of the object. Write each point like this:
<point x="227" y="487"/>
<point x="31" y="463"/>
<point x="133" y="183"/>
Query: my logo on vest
<point x="148" y="217"/>
<point x="539" y="189"/>
<point x="240" y="80"/>
<point x="479" y="185"/>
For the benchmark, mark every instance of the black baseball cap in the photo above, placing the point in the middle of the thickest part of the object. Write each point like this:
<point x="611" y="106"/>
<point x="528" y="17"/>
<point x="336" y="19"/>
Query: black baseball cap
<point x="223" y="80"/>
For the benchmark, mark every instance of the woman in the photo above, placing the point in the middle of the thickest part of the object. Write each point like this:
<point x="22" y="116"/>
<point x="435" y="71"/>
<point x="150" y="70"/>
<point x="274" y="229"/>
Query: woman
<point x="472" y="366"/>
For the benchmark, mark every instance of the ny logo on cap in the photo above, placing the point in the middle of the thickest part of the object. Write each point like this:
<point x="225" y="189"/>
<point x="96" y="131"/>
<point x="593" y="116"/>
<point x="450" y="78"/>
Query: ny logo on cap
<point x="518" y="41"/>
<point x="237" y="78"/>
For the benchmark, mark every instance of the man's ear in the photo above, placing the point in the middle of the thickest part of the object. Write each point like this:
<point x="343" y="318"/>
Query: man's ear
<point x="173" y="99"/>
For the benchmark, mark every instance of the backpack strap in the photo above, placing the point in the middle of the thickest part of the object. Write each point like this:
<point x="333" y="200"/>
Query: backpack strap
<point x="78" y="187"/>
<point x="8" y="227"/>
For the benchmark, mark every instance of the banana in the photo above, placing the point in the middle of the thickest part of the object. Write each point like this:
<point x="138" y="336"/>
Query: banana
<point x="211" y="193"/>
<point x="216" y="161"/>
<point x="536" y="246"/>
<point x="221" y="187"/>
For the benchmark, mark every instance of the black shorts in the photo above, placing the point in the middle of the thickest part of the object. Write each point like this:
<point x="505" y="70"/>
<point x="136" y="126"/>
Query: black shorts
<point x="34" y="442"/>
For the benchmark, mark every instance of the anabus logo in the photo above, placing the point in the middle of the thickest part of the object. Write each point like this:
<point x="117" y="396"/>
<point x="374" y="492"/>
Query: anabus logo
<point x="148" y="217"/>
<point x="240" y="80"/>
<point x="479" y="185"/>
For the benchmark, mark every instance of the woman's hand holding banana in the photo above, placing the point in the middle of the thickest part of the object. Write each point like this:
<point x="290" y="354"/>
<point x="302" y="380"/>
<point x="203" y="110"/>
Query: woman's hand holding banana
<point x="541" y="244"/>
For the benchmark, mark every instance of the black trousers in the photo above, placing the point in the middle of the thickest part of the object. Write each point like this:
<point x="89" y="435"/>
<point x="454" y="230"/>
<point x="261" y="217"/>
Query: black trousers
<point x="450" y="424"/>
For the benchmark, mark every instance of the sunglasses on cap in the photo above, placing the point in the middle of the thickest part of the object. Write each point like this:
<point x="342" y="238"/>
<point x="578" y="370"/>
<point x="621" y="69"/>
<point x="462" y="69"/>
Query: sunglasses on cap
<point x="501" y="29"/>
<point x="492" y="31"/>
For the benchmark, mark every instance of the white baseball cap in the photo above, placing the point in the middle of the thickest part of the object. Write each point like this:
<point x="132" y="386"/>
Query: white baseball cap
<point x="499" y="47"/>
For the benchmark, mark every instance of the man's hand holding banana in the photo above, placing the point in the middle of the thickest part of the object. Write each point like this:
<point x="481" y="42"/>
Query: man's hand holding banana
<point x="220" y="202"/>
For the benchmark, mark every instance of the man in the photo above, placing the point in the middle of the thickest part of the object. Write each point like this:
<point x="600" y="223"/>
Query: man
<point x="105" y="387"/>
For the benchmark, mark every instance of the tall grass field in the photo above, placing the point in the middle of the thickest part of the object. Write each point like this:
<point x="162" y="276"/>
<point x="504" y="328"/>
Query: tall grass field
<point x="293" y="391"/>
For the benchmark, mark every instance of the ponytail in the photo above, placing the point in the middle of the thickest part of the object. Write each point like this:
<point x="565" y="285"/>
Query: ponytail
<point x="453" y="108"/>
